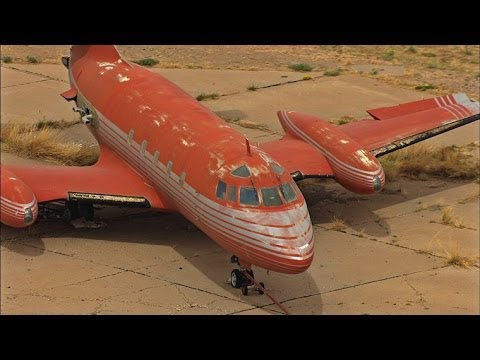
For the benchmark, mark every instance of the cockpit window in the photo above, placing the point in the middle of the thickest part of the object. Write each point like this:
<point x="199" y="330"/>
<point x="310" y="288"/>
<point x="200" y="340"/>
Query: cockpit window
<point x="249" y="196"/>
<point x="271" y="197"/>
<point x="277" y="168"/>
<point x="287" y="192"/>
<point x="242" y="171"/>
<point x="232" y="193"/>
<point x="295" y="187"/>
<point x="221" y="189"/>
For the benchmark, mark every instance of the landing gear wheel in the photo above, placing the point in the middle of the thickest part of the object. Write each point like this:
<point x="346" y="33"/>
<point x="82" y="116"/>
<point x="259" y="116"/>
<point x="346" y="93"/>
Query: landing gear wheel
<point x="244" y="289"/>
<point x="236" y="279"/>
<point x="71" y="212"/>
<point x="260" y="291"/>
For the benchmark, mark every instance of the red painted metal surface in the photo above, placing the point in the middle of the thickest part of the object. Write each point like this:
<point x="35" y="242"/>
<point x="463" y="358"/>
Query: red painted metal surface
<point x="403" y="121"/>
<point x="18" y="205"/>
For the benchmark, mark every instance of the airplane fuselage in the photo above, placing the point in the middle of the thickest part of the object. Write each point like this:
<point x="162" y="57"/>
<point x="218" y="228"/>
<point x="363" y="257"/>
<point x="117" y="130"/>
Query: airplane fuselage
<point x="234" y="192"/>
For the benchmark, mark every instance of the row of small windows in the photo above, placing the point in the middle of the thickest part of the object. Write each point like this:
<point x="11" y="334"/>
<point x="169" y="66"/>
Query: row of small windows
<point x="243" y="171"/>
<point x="156" y="155"/>
<point x="249" y="195"/>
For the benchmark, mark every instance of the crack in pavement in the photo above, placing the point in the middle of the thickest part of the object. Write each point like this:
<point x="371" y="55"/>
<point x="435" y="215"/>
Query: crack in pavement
<point x="28" y="83"/>
<point x="234" y="299"/>
<point x="48" y="77"/>
<point x="421" y="300"/>
<point x="140" y="273"/>
<point x="84" y="281"/>
<point x="351" y="286"/>
<point x="272" y="85"/>
<point x="359" y="235"/>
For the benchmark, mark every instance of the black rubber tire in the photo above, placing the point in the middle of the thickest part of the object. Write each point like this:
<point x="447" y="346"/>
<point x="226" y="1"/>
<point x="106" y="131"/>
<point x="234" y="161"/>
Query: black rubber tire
<point x="236" y="279"/>
<point x="244" y="289"/>
<point x="260" y="291"/>
<point x="71" y="212"/>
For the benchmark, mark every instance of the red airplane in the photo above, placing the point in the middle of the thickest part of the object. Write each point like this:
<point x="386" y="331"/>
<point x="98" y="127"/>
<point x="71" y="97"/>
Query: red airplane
<point x="163" y="150"/>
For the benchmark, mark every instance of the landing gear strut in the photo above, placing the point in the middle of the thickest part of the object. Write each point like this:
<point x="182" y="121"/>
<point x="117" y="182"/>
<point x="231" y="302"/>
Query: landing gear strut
<point x="74" y="210"/>
<point x="244" y="279"/>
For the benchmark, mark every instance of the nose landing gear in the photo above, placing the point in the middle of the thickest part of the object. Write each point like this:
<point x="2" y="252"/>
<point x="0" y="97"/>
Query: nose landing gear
<point x="244" y="279"/>
<point x="239" y="280"/>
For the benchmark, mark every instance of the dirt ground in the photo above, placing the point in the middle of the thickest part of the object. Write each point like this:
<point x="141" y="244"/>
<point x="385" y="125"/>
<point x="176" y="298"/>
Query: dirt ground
<point x="383" y="254"/>
<point x="446" y="68"/>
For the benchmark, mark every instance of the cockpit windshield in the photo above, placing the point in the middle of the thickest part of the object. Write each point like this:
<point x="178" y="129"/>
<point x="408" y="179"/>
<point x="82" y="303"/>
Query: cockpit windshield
<point x="277" y="168"/>
<point x="287" y="192"/>
<point x="249" y="196"/>
<point x="271" y="196"/>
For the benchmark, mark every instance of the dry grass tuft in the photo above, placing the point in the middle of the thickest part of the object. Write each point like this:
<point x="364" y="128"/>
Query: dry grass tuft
<point x="452" y="253"/>
<point x="420" y="160"/>
<point x="337" y="224"/>
<point x="454" y="258"/>
<point x="345" y="119"/>
<point x="210" y="96"/>
<point x="450" y="219"/>
<point x="42" y="141"/>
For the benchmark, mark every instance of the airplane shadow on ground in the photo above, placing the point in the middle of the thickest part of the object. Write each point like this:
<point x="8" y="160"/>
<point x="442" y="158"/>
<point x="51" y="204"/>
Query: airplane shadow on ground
<point x="185" y="255"/>
<point x="188" y="257"/>
<point x="328" y="201"/>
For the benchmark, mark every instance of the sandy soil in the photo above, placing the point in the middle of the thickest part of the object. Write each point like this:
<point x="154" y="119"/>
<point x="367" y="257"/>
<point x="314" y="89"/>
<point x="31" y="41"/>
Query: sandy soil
<point x="389" y="254"/>
<point x="448" y="68"/>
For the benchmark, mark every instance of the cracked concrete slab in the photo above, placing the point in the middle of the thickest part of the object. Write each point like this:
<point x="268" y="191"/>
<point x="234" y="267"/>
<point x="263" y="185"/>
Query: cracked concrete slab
<point x="10" y="77"/>
<point x="27" y="270"/>
<point x="49" y="71"/>
<point x="173" y="299"/>
<point x="197" y="81"/>
<point x="33" y="102"/>
<point x="130" y="249"/>
<point x="106" y="287"/>
<point x="46" y="305"/>
<point x="440" y="291"/>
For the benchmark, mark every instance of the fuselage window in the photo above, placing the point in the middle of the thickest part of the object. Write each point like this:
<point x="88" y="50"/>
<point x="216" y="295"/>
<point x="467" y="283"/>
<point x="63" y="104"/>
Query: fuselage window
<point x="249" y="196"/>
<point x="287" y="192"/>
<point x="130" y="136"/>
<point x="155" y="156"/>
<point x="143" y="147"/>
<point x="277" y="168"/>
<point x="221" y="189"/>
<point x="232" y="193"/>
<point x="271" y="197"/>
<point x="242" y="171"/>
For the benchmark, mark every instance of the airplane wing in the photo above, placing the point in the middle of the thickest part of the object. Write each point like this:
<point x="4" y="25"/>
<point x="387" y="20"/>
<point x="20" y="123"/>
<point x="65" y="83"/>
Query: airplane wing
<point x="390" y="129"/>
<point x="109" y="181"/>
<point x="393" y="128"/>
<point x="299" y="158"/>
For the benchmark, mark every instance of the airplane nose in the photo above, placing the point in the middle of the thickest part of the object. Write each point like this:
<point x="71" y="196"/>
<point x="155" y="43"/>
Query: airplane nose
<point x="302" y="249"/>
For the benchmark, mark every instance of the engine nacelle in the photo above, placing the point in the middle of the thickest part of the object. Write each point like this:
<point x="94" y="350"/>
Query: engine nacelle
<point x="354" y="168"/>
<point x="18" y="206"/>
